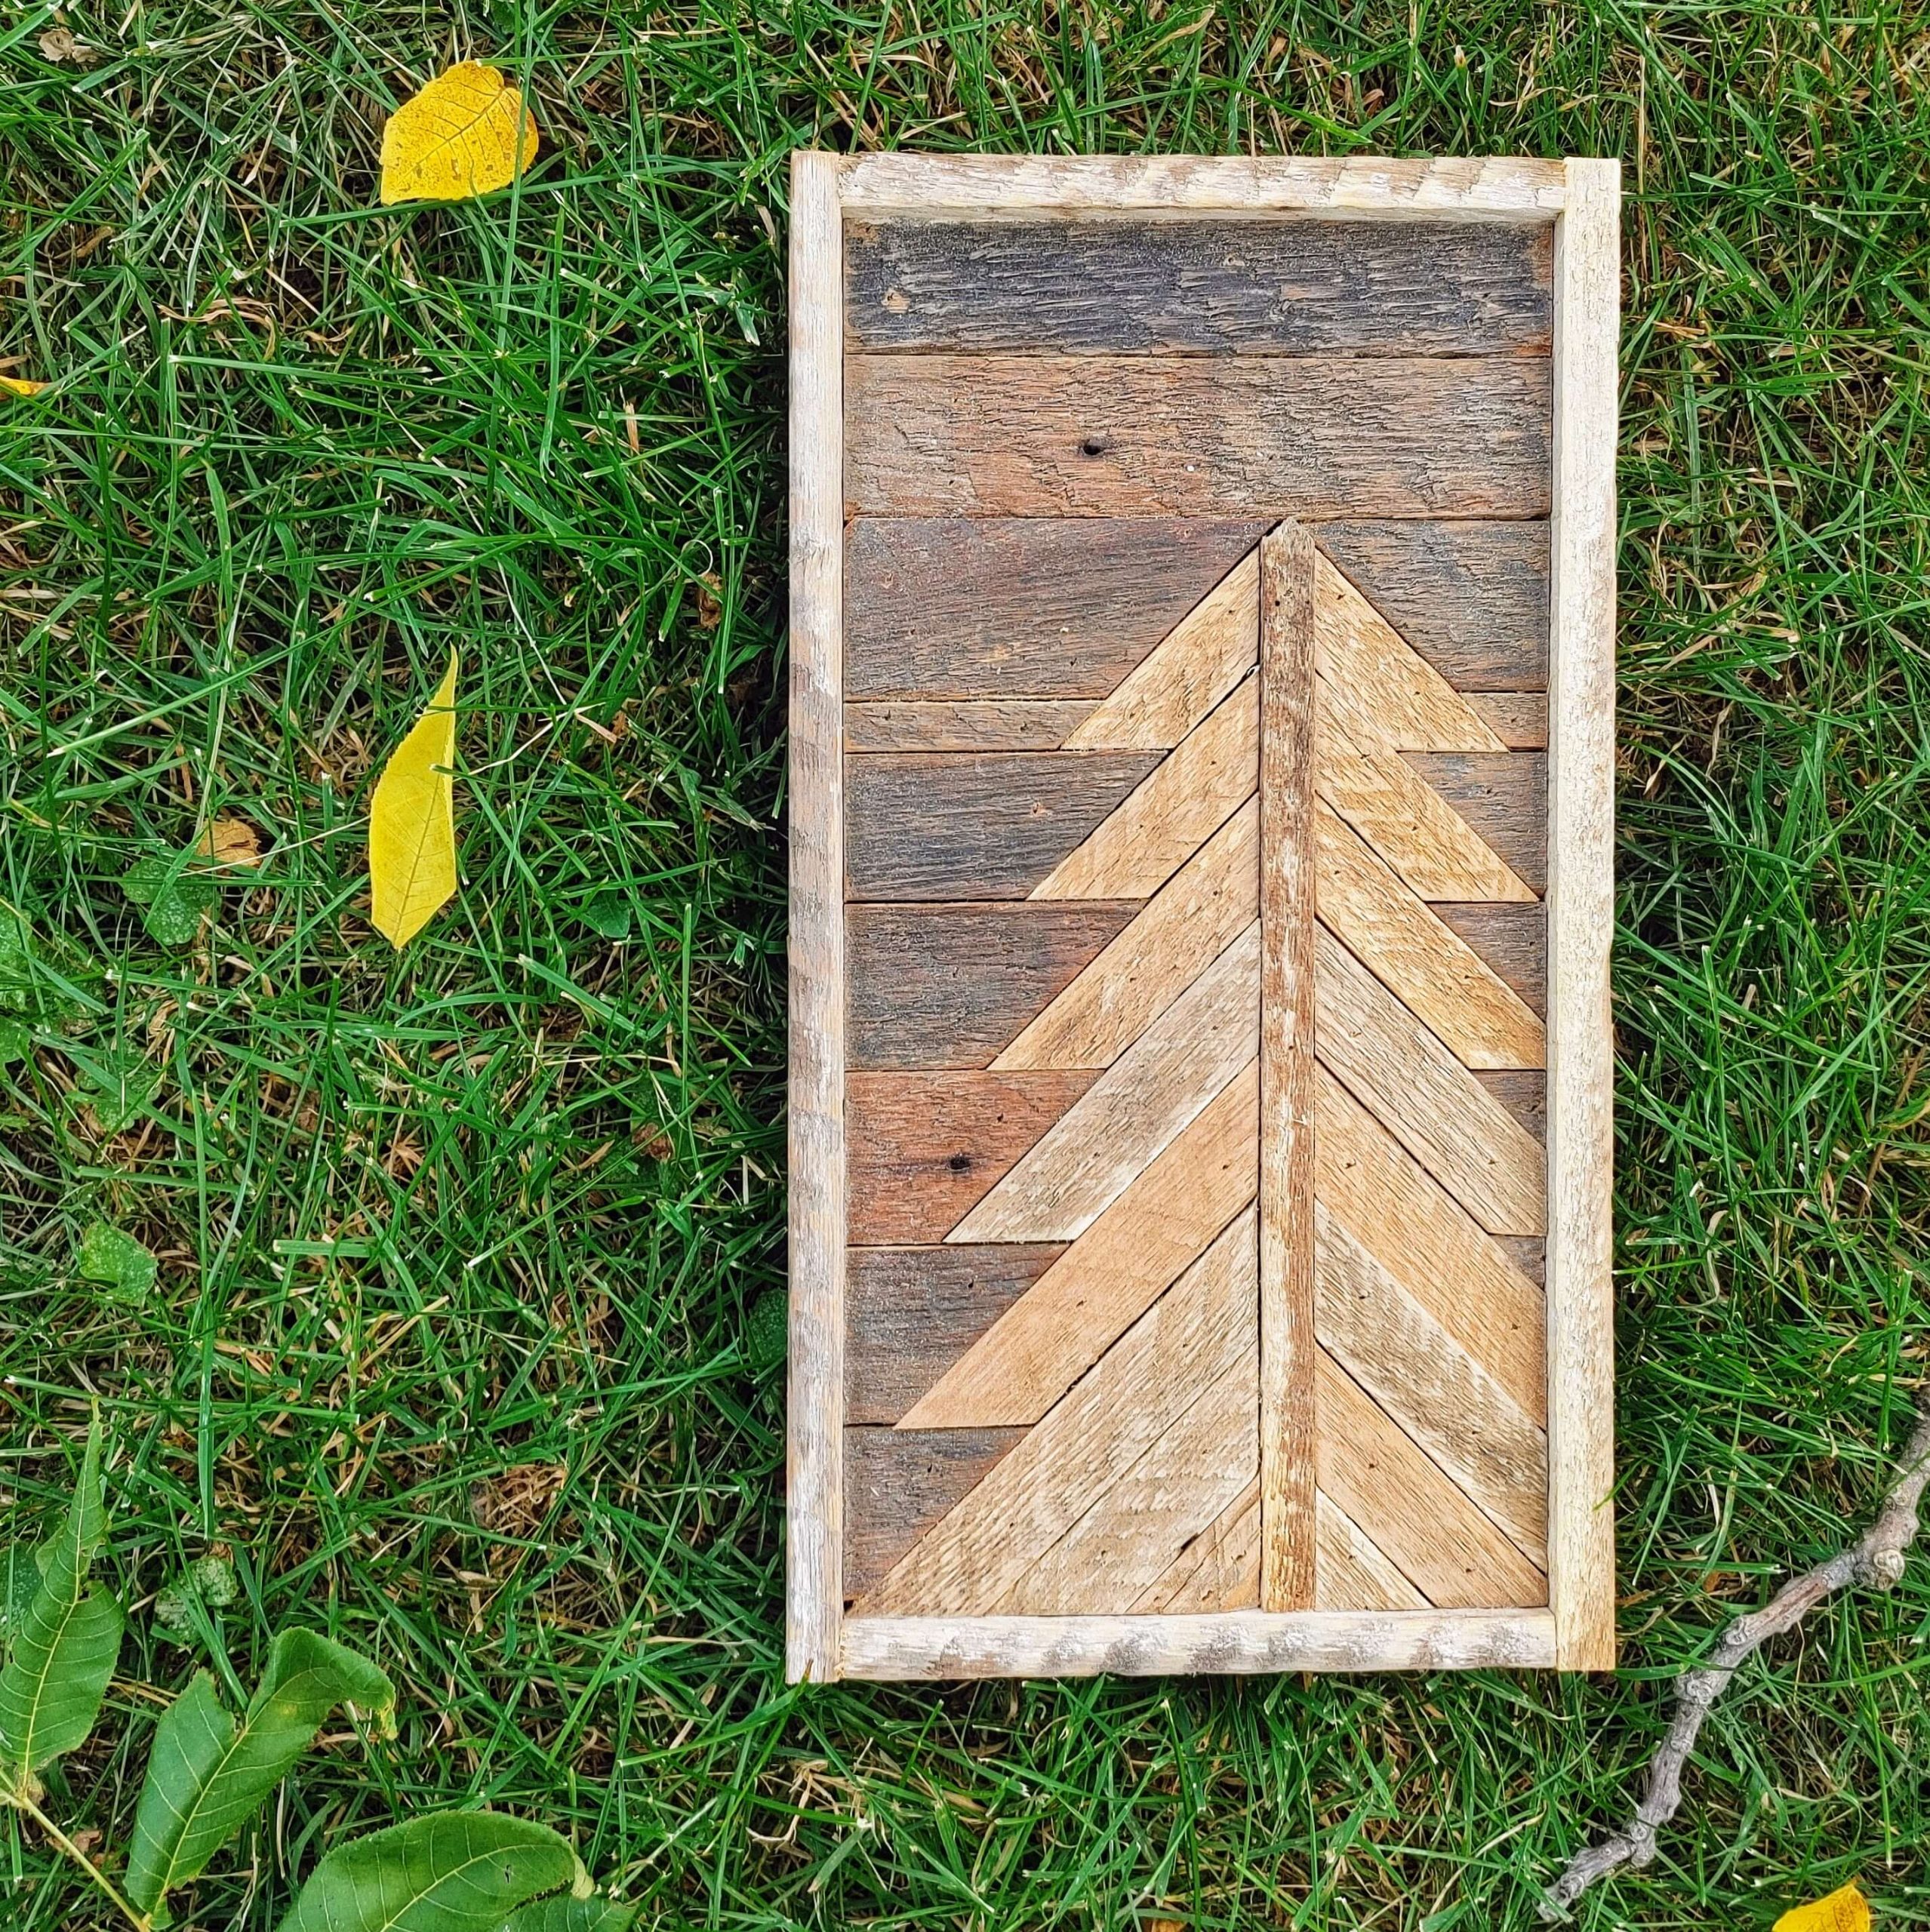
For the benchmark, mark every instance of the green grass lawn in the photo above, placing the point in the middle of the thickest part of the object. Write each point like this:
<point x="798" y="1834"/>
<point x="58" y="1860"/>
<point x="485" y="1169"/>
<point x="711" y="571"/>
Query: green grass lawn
<point x="450" y="1345"/>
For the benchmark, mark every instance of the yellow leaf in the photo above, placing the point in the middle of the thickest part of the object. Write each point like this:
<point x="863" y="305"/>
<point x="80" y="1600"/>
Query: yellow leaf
<point x="412" y="823"/>
<point x="230" y="841"/>
<point x="466" y="132"/>
<point x="19" y="386"/>
<point x="1845" y="1910"/>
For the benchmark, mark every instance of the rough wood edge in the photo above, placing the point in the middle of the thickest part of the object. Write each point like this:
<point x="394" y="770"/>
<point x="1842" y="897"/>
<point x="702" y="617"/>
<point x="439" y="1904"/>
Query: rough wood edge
<point x="814" y="1596"/>
<point x="1286" y="1069"/>
<point x="1497" y="189"/>
<point x="897" y="1648"/>
<point x="1581" y="900"/>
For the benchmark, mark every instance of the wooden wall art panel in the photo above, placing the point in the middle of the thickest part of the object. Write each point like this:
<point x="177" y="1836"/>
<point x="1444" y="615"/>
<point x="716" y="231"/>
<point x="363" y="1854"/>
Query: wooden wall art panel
<point x="1202" y="710"/>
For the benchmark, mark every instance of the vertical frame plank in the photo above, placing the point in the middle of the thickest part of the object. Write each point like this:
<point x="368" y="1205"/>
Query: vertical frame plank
<point x="1581" y="716"/>
<point x="814" y="1394"/>
<point x="1286" y="1069"/>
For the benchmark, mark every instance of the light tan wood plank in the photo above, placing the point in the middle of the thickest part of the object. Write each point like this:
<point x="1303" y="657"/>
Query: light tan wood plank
<point x="1220" y="1569"/>
<point x="1457" y="1413"/>
<point x="1182" y="930"/>
<point x="1581" y="714"/>
<point x="1287" y="896"/>
<point x="1512" y="938"/>
<point x="1464" y="1137"/>
<point x="1143" y="1102"/>
<point x="814" y="1477"/>
<point x="1185" y="676"/>
<point x="1137" y="1526"/>
<point x="1198" y="1333"/>
<point x="1525" y="1095"/>
<point x="1503" y="797"/>
<point x="1409" y="1508"/>
<point x="1379" y="691"/>
<point x="1519" y="718"/>
<point x="897" y="1485"/>
<point x="1173" y="811"/>
<point x="1422" y="961"/>
<point x="1354" y="1572"/>
<point x="1163" y="1221"/>
<point x="962" y="724"/>
<point x="1470" y="1282"/>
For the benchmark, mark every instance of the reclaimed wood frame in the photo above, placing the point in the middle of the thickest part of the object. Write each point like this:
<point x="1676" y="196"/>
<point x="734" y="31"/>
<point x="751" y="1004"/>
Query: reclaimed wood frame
<point x="1581" y="200"/>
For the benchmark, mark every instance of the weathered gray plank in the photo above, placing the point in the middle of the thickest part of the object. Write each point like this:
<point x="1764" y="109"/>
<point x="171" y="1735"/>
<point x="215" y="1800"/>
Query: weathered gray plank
<point x="962" y="826"/>
<point x="1529" y="1253"/>
<point x="923" y="1148"/>
<point x="1503" y="796"/>
<point x="1305" y="436"/>
<point x="963" y="724"/>
<point x="937" y="986"/>
<point x="899" y="1482"/>
<point x="1412" y="288"/>
<point x="1524" y="1092"/>
<point x="913" y="1311"/>
<point x="1471" y="597"/>
<point x="1512" y="939"/>
<point x="963" y="607"/>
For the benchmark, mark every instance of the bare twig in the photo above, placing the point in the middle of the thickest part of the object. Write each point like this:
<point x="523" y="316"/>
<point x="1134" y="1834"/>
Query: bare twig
<point x="1874" y="1560"/>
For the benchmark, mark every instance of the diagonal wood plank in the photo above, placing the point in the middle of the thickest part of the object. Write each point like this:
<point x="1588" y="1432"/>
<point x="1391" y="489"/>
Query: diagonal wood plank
<point x="1422" y="961"/>
<point x="1198" y="1333"/>
<point x="1464" y="1137"/>
<point x="1454" y="1410"/>
<point x="1185" y="925"/>
<point x="1138" y="1106"/>
<point x="1352" y="1572"/>
<point x="1219" y="1570"/>
<point x="1503" y="798"/>
<point x="1186" y="674"/>
<point x="1411" y="1510"/>
<point x="1096" y="1290"/>
<point x="1469" y="1282"/>
<point x="897" y="1485"/>
<point x="1193" y="791"/>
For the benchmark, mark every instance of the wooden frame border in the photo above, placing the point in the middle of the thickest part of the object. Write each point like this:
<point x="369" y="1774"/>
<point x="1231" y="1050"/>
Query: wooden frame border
<point x="1581" y="198"/>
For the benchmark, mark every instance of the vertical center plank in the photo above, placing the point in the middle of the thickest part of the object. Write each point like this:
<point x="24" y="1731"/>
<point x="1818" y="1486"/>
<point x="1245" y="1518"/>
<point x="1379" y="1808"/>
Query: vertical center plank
<point x="1286" y="1069"/>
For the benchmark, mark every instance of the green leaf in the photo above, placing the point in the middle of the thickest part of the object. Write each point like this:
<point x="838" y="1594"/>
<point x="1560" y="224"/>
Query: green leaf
<point x="608" y="914"/>
<point x="16" y="1040"/>
<point x="63" y="1647"/>
<point x="120" y="1086"/>
<point x="207" y="1776"/>
<point x="450" y="1871"/>
<point x="172" y="901"/>
<point x="767" y="1331"/>
<point x="115" y="1259"/>
<point x="571" y="1915"/>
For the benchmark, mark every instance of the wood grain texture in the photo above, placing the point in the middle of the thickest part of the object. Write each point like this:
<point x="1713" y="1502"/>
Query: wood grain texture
<point x="814" y="1592"/>
<point x="1411" y="1510"/>
<point x="1220" y="1568"/>
<point x="1122" y="285"/>
<point x="1471" y="597"/>
<point x="1288" y="887"/>
<point x="950" y="607"/>
<point x="1424" y="1096"/>
<point x="1140" y="1105"/>
<point x="962" y="724"/>
<point x="1519" y="718"/>
<point x="1428" y="967"/>
<point x="1305" y="436"/>
<point x="1504" y="798"/>
<point x="1187" y="796"/>
<point x="1105" y="1281"/>
<point x="1524" y="1094"/>
<point x="1354" y="1572"/>
<point x="937" y="986"/>
<point x="1183" y="928"/>
<point x="1199" y="1333"/>
<point x="878" y="185"/>
<point x="898" y="1483"/>
<point x="1581" y="718"/>
<point x="953" y="826"/>
<point x="1529" y="1253"/>
<point x="1187" y="673"/>
<point x="1513" y="940"/>
<point x="914" y="1311"/>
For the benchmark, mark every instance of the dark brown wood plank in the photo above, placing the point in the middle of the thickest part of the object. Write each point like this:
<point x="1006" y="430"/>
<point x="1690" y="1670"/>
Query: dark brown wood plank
<point x="963" y="724"/>
<point x="960" y="826"/>
<point x="966" y="606"/>
<point x="1503" y="796"/>
<point x="1524" y="1093"/>
<point x="912" y="1311"/>
<point x="923" y="1148"/>
<point x="1305" y="436"/>
<point x="1519" y="718"/>
<point x="1126" y="286"/>
<point x="1287" y="1352"/>
<point x="1512" y="940"/>
<point x="898" y="1483"/>
<point x="939" y="986"/>
<point x="1529" y="1253"/>
<point x="1471" y="597"/>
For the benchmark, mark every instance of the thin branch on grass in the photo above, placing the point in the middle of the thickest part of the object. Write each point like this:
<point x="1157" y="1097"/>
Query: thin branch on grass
<point x="1875" y="1560"/>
